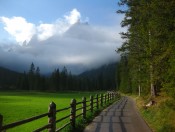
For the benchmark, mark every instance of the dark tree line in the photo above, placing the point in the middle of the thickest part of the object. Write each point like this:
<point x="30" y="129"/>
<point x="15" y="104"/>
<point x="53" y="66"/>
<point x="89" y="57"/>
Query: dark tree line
<point x="103" y="78"/>
<point x="31" y="80"/>
<point x="98" y="79"/>
<point x="147" y="54"/>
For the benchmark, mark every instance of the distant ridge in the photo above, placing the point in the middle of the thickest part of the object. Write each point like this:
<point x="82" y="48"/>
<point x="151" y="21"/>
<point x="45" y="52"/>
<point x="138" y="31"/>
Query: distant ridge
<point x="8" y="78"/>
<point x="103" y="77"/>
<point x="107" y="70"/>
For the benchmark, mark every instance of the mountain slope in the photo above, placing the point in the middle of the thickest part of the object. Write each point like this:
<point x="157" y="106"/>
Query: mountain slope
<point x="104" y="77"/>
<point x="8" y="78"/>
<point x="108" y="70"/>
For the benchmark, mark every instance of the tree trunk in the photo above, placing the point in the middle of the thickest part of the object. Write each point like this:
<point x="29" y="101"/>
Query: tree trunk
<point x="153" y="93"/>
<point x="139" y="89"/>
<point x="139" y="82"/>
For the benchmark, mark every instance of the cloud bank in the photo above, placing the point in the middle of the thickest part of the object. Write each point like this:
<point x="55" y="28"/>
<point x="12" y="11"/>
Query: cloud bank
<point x="22" y="30"/>
<point x="69" y="41"/>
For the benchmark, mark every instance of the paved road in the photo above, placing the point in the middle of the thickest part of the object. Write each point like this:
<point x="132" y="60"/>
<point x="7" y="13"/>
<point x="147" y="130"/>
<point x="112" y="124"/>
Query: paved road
<point x="119" y="117"/>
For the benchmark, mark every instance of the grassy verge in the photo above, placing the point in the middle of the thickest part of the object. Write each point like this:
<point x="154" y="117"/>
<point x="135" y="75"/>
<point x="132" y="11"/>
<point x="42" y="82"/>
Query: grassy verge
<point x="161" y="116"/>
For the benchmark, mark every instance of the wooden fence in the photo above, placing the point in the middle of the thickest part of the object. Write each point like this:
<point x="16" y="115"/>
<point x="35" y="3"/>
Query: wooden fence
<point x="87" y="105"/>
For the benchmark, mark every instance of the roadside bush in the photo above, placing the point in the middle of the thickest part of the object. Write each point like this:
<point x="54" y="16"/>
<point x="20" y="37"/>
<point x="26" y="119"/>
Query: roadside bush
<point x="166" y="128"/>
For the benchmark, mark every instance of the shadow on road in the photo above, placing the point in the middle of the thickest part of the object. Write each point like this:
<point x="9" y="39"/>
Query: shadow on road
<point x="119" y="117"/>
<point x="113" y="118"/>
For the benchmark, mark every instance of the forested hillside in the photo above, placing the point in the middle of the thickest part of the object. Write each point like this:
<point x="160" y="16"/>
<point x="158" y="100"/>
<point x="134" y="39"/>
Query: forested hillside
<point x="8" y="78"/>
<point x="147" y="62"/>
<point x="102" y="78"/>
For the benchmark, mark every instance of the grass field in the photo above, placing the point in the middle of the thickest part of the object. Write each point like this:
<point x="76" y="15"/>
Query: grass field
<point x="15" y="106"/>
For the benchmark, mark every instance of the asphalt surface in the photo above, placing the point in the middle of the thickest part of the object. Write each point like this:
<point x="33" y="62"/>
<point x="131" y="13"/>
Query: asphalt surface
<point x="122" y="116"/>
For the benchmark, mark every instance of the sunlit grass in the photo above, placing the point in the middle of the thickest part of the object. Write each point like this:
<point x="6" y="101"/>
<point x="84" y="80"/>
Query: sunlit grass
<point x="15" y="106"/>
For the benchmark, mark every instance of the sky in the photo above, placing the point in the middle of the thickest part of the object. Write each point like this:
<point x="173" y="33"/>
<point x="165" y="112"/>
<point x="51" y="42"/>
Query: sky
<point x="78" y="34"/>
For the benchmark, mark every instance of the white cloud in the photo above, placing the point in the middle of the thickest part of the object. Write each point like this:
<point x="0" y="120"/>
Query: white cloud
<point x="22" y="30"/>
<point x="45" y="31"/>
<point x="73" y="17"/>
<point x="19" y="28"/>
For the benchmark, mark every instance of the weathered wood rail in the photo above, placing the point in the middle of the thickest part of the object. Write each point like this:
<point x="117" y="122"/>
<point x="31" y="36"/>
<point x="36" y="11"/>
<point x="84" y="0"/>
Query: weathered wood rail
<point x="95" y="102"/>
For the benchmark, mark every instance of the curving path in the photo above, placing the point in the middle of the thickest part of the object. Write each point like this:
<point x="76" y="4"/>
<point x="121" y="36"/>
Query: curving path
<point x="122" y="116"/>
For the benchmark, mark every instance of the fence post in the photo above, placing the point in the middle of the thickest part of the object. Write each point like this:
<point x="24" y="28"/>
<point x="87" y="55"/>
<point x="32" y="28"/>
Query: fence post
<point x="97" y="101"/>
<point x="1" y="121"/>
<point x="101" y="100"/>
<point x="84" y="107"/>
<point x="52" y="117"/>
<point x="91" y="103"/>
<point x="108" y="97"/>
<point x="105" y="99"/>
<point x="73" y="113"/>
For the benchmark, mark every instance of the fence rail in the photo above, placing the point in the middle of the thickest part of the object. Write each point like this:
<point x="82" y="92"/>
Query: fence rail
<point x="87" y="105"/>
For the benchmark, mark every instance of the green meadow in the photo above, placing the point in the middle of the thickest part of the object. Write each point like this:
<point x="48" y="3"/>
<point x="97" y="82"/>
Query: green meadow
<point x="16" y="106"/>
